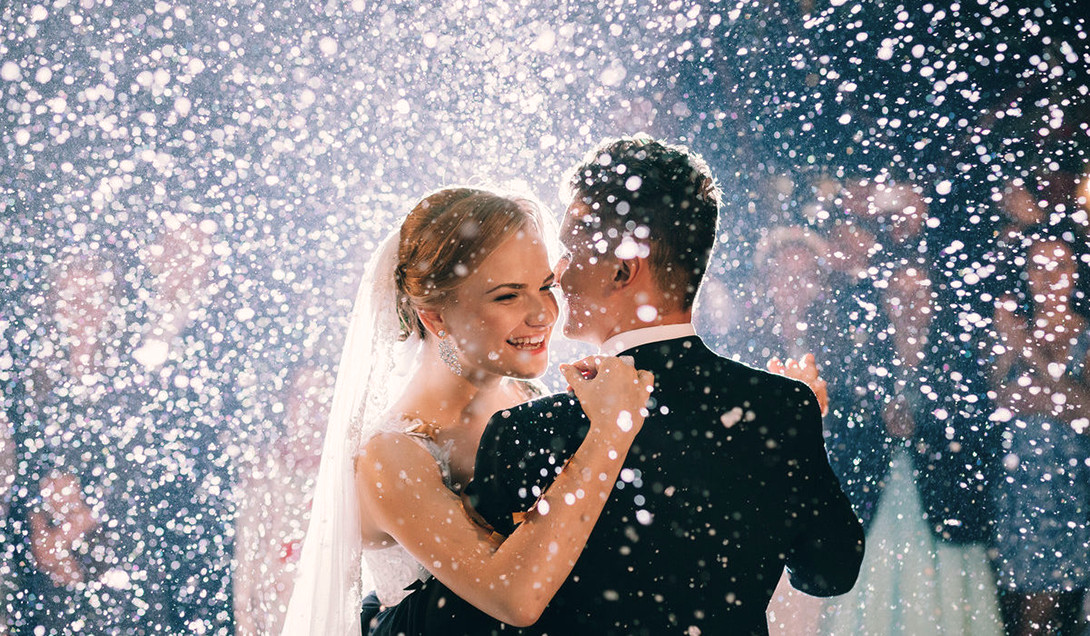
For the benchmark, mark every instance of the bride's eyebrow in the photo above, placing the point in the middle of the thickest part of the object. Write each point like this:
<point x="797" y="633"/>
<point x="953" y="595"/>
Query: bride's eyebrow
<point x="515" y="286"/>
<point x="519" y="286"/>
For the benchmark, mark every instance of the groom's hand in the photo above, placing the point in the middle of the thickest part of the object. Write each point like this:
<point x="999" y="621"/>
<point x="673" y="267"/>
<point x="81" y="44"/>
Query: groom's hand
<point x="804" y="370"/>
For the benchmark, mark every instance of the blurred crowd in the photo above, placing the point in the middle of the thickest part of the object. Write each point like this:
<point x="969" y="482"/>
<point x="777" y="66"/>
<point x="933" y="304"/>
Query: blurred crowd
<point x="120" y="404"/>
<point x="959" y="399"/>
<point x="129" y="480"/>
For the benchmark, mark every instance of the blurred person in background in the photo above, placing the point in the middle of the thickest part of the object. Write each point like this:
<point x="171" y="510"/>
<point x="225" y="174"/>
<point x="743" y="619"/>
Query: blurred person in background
<point x="121" y="480"/>
<point x="926" y="569"/>
<point x="902" y="212"/>
<point x="185" y="400"/>
<point x="802" y="312"/>
<point x="177" y="288"/>
<point x="1017" y="213"/>
<point x="17" y="319"/>
<point x="1043" y="395"/>
<point x="7" y="481"/>
<point x="798" y="311"/>
<point x="851" y="244"/>
<point x="274" y="499"/>
<point x="69" y="399"/>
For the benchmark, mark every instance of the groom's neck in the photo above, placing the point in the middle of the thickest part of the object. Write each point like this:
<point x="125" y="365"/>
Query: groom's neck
<point x="630" y="321"/>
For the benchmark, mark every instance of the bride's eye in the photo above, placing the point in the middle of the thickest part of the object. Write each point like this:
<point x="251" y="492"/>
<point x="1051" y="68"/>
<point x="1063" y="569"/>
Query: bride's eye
<point x="504" y="297"/>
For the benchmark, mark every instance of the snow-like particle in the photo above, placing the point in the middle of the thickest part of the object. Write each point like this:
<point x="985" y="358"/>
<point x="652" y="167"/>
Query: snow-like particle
<point x="327" y="45"/>
<point x="613" y="75"/>
<point x="38" y="13"/>
<point x="152" y="354"/>
<point x="647" y="313"/>
<point x="731" y="417"/>
<point x="627" y="249"/>
<point x="182" y="106"/>
<point x="10" y="72"/>
<point x="633" y="183"/>
<point x="624" y="421"/>
<point x="545" y="41"/>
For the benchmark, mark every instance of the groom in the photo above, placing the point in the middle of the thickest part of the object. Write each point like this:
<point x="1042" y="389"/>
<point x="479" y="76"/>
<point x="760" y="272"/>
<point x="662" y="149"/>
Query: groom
<point x="727" y="482"/>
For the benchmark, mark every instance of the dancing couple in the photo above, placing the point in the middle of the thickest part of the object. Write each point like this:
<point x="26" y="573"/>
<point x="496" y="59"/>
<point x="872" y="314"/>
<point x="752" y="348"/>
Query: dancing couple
<point x="665" y="492"/>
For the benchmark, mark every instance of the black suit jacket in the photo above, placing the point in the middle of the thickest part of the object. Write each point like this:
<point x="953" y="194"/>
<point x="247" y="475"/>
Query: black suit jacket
<point x="726" y="483"/>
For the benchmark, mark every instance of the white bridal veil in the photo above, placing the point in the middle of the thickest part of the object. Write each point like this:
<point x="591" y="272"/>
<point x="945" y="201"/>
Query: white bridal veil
<point x="331" y="580"/>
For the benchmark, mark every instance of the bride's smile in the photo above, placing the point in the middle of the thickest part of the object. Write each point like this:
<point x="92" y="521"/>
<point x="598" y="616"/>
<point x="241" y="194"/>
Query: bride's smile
<point x="501" y="317"/>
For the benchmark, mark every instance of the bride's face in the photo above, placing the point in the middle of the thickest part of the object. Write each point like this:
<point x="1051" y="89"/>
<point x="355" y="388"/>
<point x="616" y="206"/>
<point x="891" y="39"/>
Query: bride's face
<point x="502" y="316"/>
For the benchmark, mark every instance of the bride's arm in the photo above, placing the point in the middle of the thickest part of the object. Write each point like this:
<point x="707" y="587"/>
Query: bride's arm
<point x="401" y="490"/>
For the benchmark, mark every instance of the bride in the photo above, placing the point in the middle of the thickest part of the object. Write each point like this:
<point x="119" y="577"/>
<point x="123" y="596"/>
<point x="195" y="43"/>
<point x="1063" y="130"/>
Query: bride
<point x="452" y="319"/>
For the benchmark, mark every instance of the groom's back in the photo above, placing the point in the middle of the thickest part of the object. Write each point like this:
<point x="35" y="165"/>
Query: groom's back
<point x="691" y="536"/>
<point x="694" y="537"/>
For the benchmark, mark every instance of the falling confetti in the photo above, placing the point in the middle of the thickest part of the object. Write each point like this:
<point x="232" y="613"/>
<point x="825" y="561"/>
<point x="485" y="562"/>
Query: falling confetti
<point x="190" y="191"/>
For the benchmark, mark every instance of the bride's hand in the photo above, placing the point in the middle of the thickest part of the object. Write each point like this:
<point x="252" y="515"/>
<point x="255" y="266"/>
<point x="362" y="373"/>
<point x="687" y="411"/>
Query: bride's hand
<point x="612" y="392"/>
<point x="804" y="370"/>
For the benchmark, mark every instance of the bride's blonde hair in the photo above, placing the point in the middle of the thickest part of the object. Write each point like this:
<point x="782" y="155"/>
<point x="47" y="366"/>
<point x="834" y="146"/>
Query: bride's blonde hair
<point x="445" y="238"/>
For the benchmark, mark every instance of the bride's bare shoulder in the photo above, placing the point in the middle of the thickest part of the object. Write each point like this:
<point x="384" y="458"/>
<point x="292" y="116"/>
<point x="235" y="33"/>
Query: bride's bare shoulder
<point x="396" y="454"/>
<point x="395" y="476"/>
<point x="389" y="449"/>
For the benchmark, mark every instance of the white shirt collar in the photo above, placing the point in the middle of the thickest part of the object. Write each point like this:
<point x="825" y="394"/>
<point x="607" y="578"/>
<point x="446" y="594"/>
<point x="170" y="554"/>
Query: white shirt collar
<point x="646" y="335"/>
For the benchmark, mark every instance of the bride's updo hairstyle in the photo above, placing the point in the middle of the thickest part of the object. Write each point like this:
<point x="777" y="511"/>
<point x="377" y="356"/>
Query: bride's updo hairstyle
<point x="445" y="238"/>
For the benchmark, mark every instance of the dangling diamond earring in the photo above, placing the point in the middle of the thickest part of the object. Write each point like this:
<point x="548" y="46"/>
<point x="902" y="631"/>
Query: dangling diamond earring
<point x="448" y="354"/>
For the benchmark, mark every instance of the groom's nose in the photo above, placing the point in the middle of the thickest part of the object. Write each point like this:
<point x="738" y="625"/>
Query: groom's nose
<point x="544" y="314"/>
<point x="561" y="267"/>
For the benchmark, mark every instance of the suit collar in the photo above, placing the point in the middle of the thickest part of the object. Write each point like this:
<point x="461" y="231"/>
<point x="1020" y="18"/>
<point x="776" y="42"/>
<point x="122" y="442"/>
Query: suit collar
<point x="655" y="354"/>
<point x="623" y="342"/>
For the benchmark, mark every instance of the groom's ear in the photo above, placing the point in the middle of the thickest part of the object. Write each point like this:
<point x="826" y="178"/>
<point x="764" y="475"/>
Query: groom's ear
<point x="431" y="319"/>
<point x="626" y="271"/>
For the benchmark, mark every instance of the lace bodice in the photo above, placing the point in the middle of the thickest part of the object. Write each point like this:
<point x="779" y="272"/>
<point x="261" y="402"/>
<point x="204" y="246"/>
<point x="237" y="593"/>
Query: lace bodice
<point x="393" y="569"/>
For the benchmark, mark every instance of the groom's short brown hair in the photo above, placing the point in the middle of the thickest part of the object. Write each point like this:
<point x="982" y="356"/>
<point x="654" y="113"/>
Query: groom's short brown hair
<point x="637" y="182"/>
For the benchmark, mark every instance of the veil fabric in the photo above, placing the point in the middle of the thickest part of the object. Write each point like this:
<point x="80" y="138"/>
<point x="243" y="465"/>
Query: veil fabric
<point x="374" y="365"/>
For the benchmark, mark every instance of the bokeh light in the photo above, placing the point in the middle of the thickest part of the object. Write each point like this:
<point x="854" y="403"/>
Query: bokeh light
<point x="189" y="191"/>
